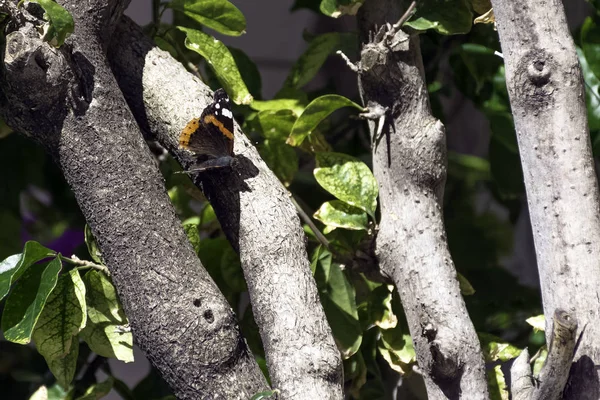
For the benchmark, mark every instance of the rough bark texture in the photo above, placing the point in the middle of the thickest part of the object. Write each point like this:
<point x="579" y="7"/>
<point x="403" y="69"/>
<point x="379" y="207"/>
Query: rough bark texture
<point x="547" y="98"/>
<point x="68" y="100"/>
<point x="256" y="214"/>
<point x="409" y="162"/>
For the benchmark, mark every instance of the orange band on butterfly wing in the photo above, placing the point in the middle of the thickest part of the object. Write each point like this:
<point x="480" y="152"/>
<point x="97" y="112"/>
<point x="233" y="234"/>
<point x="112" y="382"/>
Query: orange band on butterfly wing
<point x="210" y="119"/>
<point x="187" y="132"/>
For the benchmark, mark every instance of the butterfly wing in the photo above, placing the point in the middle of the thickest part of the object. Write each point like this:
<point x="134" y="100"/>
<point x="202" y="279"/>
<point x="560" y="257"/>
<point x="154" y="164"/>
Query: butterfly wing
<point x="211" y="135"/>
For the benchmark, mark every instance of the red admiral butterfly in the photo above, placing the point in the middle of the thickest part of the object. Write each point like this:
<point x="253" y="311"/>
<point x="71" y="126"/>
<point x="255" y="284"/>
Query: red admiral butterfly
<point x="210" y="137"/>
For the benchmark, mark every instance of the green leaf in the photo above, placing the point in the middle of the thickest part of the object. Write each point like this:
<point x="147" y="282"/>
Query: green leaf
<point x="538" y="322"/>
<point x="92" y="246"/>
<point x="592" y="93"/>
<point x="447" y="17"/>
<point x="339" y="303"/>
<point x="590" y="44"/>
<point x="191" y="230"/>
<point x="397" y="349"/>
<point x="248" y="70"/>
<point x="60" y="22"/>
<point x="465" y="286"/>
<point x="220" y="15"/>
<point x="281" y="159"/>
<point x="348" y="179"/>
<point x="63" y="317"/>
<point x="355" y="371"/>
<point x="296" y="106"/>
<point x="221" y="61"/>
<point x="98" y="390"/>
<point x="14" y="266"/>
<point x="337" y="8"/>
<point x="338" y="214"/>
<point x="380" y="312"/>
<point x="231" y="268"/>
<point x="26" y="301"/>
<point x="276" y="124"/>
<point x="318" y="109"/>
<point x="495" y="349"/>
<point x="314" y="57"/>
<point x="106" y="331"/>
<point x="497" y="384"/>
<point x="63" y="368"/>
<point x="539" y="359"/>
<point x="265" y="395"/>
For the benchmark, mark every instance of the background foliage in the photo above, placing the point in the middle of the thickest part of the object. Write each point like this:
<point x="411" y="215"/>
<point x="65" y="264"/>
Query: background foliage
<point x="312" y="139"/>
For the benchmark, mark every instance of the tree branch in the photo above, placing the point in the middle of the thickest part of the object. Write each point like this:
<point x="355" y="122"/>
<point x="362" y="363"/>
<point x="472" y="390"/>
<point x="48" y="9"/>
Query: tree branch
<point x="68" y="100"/>
<point x="255" y="212"/>
<point x="546" y="92"/>
<point x="409" y="162"/>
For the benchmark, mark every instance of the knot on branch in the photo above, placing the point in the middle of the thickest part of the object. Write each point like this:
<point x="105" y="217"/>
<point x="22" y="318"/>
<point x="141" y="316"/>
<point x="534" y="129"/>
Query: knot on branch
<point x="533" y="81"/>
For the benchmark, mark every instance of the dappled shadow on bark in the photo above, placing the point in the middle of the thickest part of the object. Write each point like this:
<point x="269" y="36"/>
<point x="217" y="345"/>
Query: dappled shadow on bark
<point x="583" y="383"/>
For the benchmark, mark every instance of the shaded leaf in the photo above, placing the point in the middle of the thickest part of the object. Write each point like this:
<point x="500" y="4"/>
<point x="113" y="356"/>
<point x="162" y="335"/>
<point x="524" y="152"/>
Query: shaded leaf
<point x="27" y="300"/>
<point x="320" y="47"/>
<point x="92" y="246"/>
<point x="276" y="124"/>
<point x="295" y="105"/>
<point x="447" y="17"/>
<point x="348" y="179"/>
<point x="63" y="317"/>
<point x="231" y="268"/>
<point x="265" y="395"/>
<point x="220" y="15"/>
<point x="280" y="158"/>
<point x="495" y="349"/>
<point x="63" y="368"/>
<point x="465" y="286"/>
<point x="98" y="390"/>
<point x="14" y="266"/>
<point x="106" y="331"/>
<point x="380" y="307"/>
<point x="592" y="94"/>
<point x="590" y="44"/>
<point x="248" y="70"/>
<point x="60" y="22"/>
<point x="318" y="109"/>
<point x="338" y="214"/>
<point x="337" y="8"/>
<point x="221" y="61"/>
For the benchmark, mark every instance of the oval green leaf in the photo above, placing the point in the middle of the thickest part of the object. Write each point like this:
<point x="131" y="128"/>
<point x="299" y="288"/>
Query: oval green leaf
<point x="221" y="61"/>
<point x="276" y="125"/>
<point x="338" y="214"/>
<point x="14" y="266"/>
<point x="63" y="317"/>
<point x="318" y="109"/>
<point x="63" y="368"/>
<point x="281" y="158"/>
<point x="448" y="17"/>
<point x="348" y="179"/>
<point x="538" y="322"/>
<point x="92" y="245"/>
<point x="60" y="22"/>
<point x="106" y="331"/>
<point x="27" y="300"/>
<point x="314" y="57"/>
<point x="220" y="15"/>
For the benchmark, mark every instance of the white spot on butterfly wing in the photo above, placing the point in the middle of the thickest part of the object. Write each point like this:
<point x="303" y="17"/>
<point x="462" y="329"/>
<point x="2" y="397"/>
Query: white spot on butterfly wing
<point x="227" y="113"/>
<point x="217" y="106"/>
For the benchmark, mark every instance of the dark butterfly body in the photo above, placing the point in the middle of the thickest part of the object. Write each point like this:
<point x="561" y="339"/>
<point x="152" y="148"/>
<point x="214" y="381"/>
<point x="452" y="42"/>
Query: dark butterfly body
<point x="210" y="137"/>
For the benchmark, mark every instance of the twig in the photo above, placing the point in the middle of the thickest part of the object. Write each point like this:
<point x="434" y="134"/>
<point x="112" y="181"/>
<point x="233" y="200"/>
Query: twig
<point x="310" y="223"/>
<point x="84" y="263"/>
<point x="349" y="63"/>
<point x="405" y="16"/>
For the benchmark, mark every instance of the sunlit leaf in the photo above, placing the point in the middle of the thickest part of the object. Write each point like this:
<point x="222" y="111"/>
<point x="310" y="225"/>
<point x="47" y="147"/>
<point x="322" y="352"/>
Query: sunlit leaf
<point x="538" y="322"/>
<point x="348" y="179"/>
<point x="98" y="390"/>
<point x="337" y="8"/>
<point x="60" y="22"/>
<point x="107" y="330"/>
<point x="495" y="349"/>
<point x="27" y="300"/>
<point x="380" y="307"/>
<point x="14" y="266"/>
<point x="318" y="109"/>
<point x="265" y="395"/>
<point x="338" y="214"/>
<point x="497" y="384"/>
<point x="191" y="230"/>
<point x="92" y="246"/>
<point x="221" y="61"/>
<point x="220" y="15"/>
<point x="63" y="368"/>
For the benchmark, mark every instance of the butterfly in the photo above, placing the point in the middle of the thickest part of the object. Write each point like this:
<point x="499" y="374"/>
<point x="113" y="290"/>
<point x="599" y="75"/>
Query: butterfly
<point x="210" y="137"/>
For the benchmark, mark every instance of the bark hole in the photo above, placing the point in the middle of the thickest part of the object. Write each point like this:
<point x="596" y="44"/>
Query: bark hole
<point x="208" y="316"/>
<point x="197" y="302"/>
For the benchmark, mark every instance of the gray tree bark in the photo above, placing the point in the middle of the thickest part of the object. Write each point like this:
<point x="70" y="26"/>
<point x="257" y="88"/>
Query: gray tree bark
<point x="409" y="162"/>
<point x="68" y="100"/>
<point x="255" y="212"/>
<point x="546" y="92"/>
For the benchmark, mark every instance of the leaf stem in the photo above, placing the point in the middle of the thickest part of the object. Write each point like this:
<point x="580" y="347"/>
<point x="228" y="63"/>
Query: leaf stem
<point x="82" y="264"/>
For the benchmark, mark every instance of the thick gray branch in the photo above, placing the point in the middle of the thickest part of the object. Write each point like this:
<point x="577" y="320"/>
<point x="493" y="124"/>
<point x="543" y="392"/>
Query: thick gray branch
<point x="256" y="214"/>
<point x="409" y="162"/>
<point x="547" y="97"/>
<point x="68" y="100"/>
